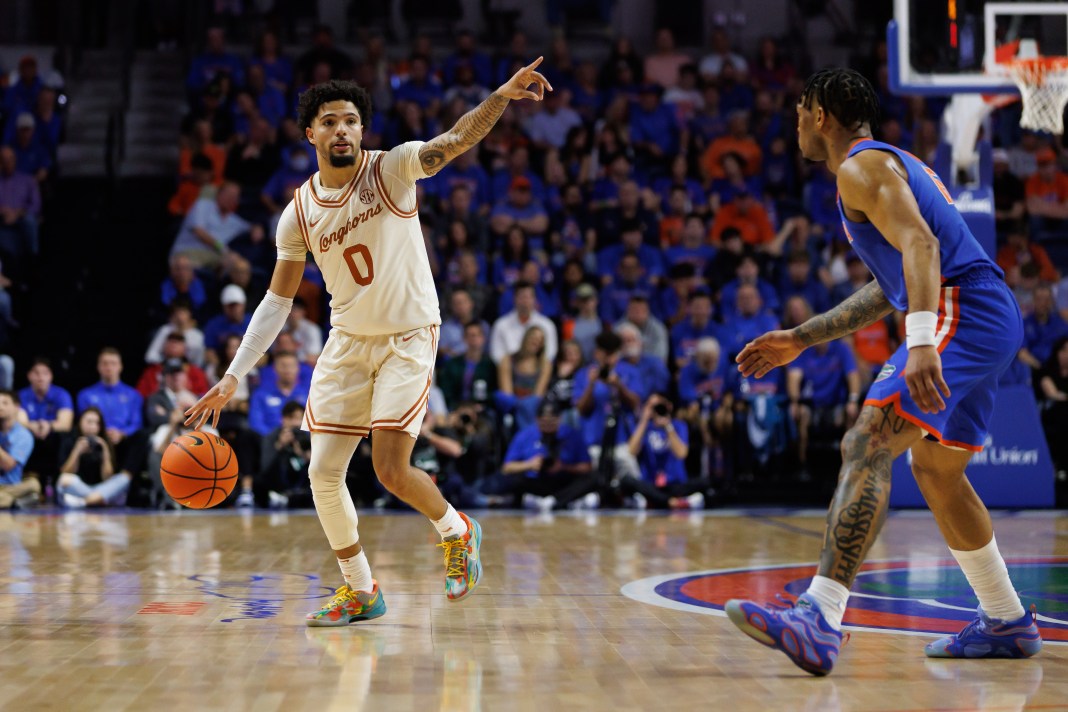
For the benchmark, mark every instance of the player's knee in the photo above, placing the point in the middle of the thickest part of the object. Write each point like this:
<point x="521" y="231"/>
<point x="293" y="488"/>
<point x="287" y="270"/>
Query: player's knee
<point x="325" y="479"/>
<point x="393" y="475"/>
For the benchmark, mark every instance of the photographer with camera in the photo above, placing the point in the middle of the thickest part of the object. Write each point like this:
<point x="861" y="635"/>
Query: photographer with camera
<point x="455" y="451"/>
<point x="547" y="464"/>
<point x="661" y="444"/>
<point x="87" y="473"/>
<point x="607" y="396"/>
<point x="285" y="453"/>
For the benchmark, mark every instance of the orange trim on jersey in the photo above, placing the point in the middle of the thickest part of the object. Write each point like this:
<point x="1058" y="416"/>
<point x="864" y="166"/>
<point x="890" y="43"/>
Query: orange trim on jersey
<point x="313" y="423"/>
<point x="856" y="141"/>
<point x="410" y="413"/>
<point x="326" y="431"/>
<point x="895" y="400"/>
<point x="348" y="190"/>
<point x="385" y="194"/>
<point x="301" y="219"/>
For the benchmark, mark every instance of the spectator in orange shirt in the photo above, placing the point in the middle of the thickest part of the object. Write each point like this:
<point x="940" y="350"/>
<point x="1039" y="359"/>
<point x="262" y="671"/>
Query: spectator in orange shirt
<point x="747" y="216"/>
<point x="672" y="221"/>
<point x="738" y="140"/>
<point x="198" y="185"/>
<point x="1018" y="251"/>
<point x="1047" y="194"/>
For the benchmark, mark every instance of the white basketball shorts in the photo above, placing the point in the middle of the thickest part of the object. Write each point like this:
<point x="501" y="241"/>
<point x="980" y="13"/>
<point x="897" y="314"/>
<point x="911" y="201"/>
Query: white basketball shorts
<point x="366" y="383"/>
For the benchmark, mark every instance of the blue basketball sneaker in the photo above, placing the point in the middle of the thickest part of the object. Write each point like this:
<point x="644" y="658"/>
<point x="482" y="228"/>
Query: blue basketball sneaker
<point x="986" y="637"/>
<point x="800" y="631"/>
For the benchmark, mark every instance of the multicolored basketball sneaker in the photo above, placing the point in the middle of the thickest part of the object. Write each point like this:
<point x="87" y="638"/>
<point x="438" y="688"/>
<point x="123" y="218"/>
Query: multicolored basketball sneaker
<point x="986" y="637"/>
<point x="348" y="606"/>
<point x="463" y="567"/>
<point x="799" y="630"/>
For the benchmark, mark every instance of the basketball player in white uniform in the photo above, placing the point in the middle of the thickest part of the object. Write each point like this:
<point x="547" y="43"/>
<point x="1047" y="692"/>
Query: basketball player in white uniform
<point x="358" y="218"/>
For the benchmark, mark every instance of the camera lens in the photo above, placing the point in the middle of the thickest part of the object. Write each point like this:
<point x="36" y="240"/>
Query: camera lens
<point x="660" y="409"/>
<point x="604" y="372"/>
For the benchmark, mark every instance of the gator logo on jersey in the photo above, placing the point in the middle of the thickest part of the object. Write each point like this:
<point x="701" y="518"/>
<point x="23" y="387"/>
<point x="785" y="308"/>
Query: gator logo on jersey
<point x="886" y="372"/>
<point x="367" y="196"/>
<point x="910" y="597"/>
<point x="338" y="236"/>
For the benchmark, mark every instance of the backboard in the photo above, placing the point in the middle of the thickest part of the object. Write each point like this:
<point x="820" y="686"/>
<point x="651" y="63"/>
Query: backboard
<point x="944" y="47"/>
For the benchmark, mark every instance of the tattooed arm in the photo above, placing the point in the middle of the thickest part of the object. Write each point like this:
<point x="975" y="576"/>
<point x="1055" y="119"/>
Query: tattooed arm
<point x="867" y="306"/>
<point x="475" y="124"/>
<point x="778" y="348"/>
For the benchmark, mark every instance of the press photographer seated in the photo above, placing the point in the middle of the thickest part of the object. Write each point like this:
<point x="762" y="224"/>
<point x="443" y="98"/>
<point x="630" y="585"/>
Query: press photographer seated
<point x="547" y="463"/>
<point x="661" y="443"/>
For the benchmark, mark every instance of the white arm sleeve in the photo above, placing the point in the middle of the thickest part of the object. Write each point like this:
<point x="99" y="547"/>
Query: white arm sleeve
<point x="267" y="322"/>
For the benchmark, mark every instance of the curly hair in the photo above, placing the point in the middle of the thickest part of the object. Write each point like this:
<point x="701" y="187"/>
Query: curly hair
<point x="334" y="90"/>
<point x="845" y="94"/>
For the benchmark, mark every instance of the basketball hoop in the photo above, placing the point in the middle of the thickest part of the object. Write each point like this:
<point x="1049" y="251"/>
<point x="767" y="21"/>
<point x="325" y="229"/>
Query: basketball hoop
<point x="1043" y="83"/>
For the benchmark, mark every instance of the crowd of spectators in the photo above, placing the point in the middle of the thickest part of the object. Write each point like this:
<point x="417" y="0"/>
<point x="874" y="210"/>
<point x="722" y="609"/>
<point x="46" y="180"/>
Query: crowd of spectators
<point x="601" y="258"/>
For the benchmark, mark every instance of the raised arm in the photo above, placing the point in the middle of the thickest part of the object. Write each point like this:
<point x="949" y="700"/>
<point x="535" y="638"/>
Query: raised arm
<point x="475" y="124"/>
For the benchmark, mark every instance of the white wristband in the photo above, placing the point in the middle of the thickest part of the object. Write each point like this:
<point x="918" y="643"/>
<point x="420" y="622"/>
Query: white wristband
<point x="267" y="322"/>
<point x="920" y="329"/>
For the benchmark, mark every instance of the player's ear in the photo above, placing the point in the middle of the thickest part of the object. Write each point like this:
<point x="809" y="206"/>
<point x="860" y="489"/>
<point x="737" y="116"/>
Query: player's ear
<point x="310" y="135"/>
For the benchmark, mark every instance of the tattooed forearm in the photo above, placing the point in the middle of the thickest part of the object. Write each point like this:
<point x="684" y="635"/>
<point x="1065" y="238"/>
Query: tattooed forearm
<point x="867" y="306"/>
<point x="469" y="130"/>
<point x="863" y="495"/>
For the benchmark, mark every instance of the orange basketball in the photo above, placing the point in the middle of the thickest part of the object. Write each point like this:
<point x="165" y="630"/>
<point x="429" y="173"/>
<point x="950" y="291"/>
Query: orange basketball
<point x="199" y="470"/>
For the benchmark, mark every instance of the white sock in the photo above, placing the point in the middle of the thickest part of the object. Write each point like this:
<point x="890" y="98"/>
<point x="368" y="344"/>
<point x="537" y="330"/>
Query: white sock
<point x="986" y="572"/>
<point x="357" y="572"/>
<point x="451" y="524"/>
<point x="831" y="597"/>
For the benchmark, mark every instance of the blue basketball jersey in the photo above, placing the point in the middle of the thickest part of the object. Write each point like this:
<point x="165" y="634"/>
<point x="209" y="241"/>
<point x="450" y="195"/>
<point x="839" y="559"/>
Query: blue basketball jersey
<point x="959" y="251"/>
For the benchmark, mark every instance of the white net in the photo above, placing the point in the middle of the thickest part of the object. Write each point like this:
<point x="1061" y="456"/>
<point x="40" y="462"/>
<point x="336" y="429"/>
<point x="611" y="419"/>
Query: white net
<point x="1043" y="84"/>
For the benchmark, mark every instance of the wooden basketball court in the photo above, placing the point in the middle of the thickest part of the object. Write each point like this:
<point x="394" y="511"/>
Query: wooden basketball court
<point x="204" y="611"/>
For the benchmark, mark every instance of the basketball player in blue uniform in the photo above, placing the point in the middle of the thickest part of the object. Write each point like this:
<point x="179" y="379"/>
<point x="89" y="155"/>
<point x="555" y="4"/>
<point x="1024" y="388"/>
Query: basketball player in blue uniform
<point x="935" y="395"/>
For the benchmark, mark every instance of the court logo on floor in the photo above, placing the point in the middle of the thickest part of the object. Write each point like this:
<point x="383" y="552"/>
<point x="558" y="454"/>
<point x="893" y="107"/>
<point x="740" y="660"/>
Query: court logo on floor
<point x="911" y="597"/>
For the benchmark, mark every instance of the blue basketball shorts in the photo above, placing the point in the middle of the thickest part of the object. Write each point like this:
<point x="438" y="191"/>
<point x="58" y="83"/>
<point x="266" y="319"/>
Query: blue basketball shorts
<point x="979" y="333"/>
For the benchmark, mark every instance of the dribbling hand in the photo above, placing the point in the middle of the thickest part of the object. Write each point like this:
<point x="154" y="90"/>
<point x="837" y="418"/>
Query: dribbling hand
<point x="517" y="86"/>
<point x="212" y="403"/>
<point x="773" y="349"/>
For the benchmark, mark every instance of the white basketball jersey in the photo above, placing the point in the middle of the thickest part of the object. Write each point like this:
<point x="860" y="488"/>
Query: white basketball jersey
<point x="368" y="244"/>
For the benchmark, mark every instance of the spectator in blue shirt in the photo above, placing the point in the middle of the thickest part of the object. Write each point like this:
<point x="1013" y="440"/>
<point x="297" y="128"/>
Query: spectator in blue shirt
<point x="467" y="53"/>
<point x="267" y="56"/>
<point x="661" y="444"/>
<point x="22" y="95"/>
<point x="679" y="177"/>
<point x="607" y="395"/>
<point x="120" y="403"/>
<point x="799" y="279"/>
<point x="747" y="272"/>
<point x="234" y="320"/>
<point x="265" y="406"/>
<point x="183" y="284"/>
<point x="653" y="368"/>
<point x="1042" y="328"/>
<point x="748" y="321"/>
<point x="121" y="406"/>
<point x="270" y="101"/>
<point x="547" y="463"/>
<point x="610" y="259"/>
<point x="214" y="62"/>
<point x="824" y="390"/>
<point x="518" y="167"/>
<point x="698" y="324"/>
<point x="520" y="209"/>
<point x="629" y="279"/>
<point x="48" y="413"/>
<point x="420" y="88"/>
<point x="16" y="444"/>
<point x="693" y="248"/>
<point x="464" y="172"/>
<point x="653" y="130"/>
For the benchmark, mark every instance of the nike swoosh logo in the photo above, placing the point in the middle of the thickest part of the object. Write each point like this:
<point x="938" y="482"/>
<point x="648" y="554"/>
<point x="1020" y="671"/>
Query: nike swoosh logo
<point x="313" y="224"/>
<point x="409" y="338"/>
